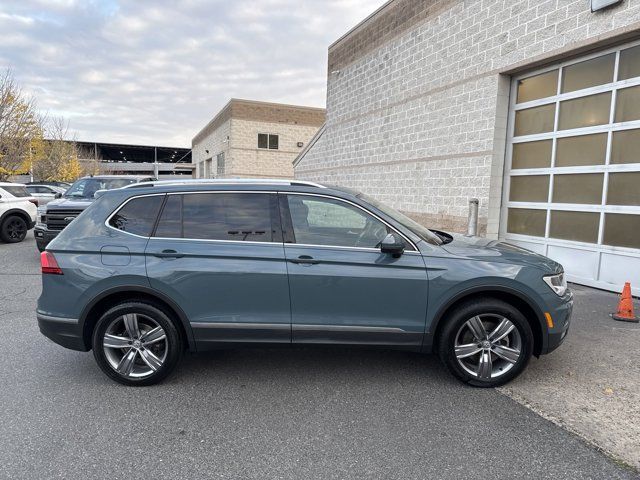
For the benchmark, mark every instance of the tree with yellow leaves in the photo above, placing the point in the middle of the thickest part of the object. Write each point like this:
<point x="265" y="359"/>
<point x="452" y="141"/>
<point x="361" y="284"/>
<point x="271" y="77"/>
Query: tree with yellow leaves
<point x="20" y="127"/>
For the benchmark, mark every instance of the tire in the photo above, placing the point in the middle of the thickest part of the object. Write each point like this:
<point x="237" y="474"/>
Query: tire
<point x="13" y="229"/>
<point x="125" y="356"/>
<point x="483" y="357"/>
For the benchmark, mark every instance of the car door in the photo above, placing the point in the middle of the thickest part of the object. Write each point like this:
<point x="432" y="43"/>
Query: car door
<point x="343" y="288"/>
<point x="219" y="255"/>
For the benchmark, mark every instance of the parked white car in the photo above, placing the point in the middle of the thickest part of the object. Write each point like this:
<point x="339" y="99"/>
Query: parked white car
<point x="45" y="193"/>
<point x="18" y="211"/>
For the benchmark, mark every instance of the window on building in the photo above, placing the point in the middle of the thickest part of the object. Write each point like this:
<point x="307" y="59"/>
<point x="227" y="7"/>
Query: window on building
<point x="138" y="215"/>
<point x="217" y="216"/>
<point x="220" y="164"/>
<point x="268" y="141"/>
<point x="325" y="221"/>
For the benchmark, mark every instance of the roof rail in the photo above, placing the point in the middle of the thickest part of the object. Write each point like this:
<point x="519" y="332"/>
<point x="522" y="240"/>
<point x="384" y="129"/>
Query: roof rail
<point x="224" y="181"/>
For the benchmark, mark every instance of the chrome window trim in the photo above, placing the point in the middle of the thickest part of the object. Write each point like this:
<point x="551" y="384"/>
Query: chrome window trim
<point x="332" y="197"/>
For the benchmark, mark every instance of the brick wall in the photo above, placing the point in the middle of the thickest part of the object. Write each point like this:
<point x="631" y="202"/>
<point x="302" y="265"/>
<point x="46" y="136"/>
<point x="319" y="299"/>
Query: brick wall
<point x="418" y="119"/>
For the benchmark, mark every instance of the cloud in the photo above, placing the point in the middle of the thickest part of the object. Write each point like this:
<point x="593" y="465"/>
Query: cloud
<point x="156" y="72"/>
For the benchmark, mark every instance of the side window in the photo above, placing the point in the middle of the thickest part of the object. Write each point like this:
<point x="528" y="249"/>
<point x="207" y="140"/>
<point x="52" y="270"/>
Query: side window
<point x="325" y="221"/>
<point x="138" y="215"/>
<point x="217" y="216"/>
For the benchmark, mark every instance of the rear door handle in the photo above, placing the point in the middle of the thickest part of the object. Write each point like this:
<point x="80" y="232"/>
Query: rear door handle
<point x="168" y="254"/>
<point x="304" y="260"/>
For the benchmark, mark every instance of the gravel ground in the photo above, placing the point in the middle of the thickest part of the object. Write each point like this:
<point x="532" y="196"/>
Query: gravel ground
<point x="289" y="413"/>
<point x="591" y="384"/>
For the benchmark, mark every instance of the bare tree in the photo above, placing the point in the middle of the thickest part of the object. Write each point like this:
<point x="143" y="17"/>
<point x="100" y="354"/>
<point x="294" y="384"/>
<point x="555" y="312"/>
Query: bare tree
<point x="58" y="157"/>
<point x="89" y="161"/>
<point x="20" y="126"/>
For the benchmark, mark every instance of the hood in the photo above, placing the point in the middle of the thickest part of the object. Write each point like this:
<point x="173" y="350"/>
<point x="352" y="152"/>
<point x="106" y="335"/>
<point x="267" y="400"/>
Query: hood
<point x="75" y="203"/>
<point x="478" y="248"/>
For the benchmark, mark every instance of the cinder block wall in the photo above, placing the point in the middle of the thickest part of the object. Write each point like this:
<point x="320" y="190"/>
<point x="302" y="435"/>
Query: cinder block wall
<point x="246" y="160"/>
<point x="216" y="142"/>
<point x="417" y="98"/>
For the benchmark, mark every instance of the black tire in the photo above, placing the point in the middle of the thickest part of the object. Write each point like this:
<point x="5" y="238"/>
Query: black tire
<point x="491" y="312"/>
<point x="13" y="229"/>
<point x="148" y="315"/>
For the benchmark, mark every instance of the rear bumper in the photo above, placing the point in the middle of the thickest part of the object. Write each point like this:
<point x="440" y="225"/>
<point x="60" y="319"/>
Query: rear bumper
<point x="63" y="331"/>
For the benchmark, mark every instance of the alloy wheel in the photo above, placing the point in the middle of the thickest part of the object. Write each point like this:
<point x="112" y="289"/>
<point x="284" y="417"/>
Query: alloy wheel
<point x="487" y="346"/>
<point x="135" y="345"/>
<point x="16" y="229"/>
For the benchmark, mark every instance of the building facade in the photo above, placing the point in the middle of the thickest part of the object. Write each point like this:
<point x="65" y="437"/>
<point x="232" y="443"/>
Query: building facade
<point x="533" y="107"/>
<point x="254" y="139"/>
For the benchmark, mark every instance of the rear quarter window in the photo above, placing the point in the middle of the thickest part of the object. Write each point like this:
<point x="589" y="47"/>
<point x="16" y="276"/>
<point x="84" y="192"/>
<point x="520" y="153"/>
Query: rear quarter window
<point x="138" y="216"/>
<point x="16" y="190"/>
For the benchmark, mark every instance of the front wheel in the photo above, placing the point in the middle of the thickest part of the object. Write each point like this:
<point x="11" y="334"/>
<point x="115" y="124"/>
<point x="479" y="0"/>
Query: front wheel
<point x="486" y="343"/>
<point x="136" y="344"/>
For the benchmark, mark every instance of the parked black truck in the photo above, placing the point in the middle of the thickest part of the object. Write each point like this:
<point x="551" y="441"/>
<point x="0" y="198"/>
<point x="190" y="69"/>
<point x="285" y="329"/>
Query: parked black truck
<point x="57" y="214"/>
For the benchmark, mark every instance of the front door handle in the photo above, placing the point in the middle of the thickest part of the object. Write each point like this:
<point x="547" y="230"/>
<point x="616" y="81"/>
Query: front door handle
<point x="168" y="254"/>
<point x="304" y="260"/>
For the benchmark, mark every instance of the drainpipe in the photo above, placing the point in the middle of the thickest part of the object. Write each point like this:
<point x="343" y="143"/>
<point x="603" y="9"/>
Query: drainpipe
<point x="472" y="223"/>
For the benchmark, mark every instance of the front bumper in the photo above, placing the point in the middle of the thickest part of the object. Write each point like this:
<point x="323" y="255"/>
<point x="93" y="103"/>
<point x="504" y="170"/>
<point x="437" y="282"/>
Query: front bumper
<point x="561" y="319"/>
<point x="44" y="236"/>
<point x="63" y="331"/>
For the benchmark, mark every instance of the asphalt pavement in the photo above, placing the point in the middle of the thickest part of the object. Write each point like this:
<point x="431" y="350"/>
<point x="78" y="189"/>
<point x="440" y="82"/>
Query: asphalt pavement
<point x="260" y="414"/>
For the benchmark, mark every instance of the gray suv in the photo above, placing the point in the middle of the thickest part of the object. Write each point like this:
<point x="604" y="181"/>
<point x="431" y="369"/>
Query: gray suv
<point x="146" y="273"/>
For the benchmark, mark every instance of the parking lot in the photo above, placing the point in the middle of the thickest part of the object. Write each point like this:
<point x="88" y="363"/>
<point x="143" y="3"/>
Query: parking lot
<point x="289" y="413"/>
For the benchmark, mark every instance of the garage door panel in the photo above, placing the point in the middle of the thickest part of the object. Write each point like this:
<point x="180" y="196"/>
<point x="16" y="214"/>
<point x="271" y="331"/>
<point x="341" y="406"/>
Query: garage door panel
<point x="581" y="263"/>
<point x="617" y="269"/>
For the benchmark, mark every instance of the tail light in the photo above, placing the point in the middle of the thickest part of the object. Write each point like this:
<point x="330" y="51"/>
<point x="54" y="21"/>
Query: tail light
<point x="49" y="264"/>
<point x="34" y="201"/>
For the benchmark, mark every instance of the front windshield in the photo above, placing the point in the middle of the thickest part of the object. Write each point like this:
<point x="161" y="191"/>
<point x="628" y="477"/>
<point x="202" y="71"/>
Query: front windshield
<point x="87" y="187"/>
<point x="421" y="231"/>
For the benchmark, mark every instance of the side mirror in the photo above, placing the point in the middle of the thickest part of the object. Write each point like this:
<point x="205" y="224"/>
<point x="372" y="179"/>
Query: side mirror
<point x="57" y="195"/>
<point x="99" y="193"/>
<point x="392" y="245"/>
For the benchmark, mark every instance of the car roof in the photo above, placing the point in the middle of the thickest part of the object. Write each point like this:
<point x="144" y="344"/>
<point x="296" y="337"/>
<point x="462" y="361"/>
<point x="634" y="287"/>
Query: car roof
<point x="11" y="184"/>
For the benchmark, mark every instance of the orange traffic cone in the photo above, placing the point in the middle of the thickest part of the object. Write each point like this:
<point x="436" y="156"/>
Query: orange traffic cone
<point x="625" y="306"/>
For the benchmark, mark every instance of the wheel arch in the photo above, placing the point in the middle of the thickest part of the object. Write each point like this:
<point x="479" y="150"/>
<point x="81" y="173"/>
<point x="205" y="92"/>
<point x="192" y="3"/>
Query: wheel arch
<point x="105" y="300"/>
<point x="16" y="211"/>
<point x="517" y="299"/>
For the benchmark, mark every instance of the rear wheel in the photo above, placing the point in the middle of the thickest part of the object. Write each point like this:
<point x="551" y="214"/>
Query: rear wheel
<point x="486" y="343"/>
<point x="13" y="229"/>
<point x="136" y="343"/>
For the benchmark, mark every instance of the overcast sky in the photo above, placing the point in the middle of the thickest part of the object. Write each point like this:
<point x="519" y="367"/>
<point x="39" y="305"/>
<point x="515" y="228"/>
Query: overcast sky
<point x="155" y="71"/>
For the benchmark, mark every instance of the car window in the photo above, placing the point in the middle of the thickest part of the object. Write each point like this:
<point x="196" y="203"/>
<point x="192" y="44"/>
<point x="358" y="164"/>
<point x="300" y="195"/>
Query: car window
<point x="138" y="215"/>
<point x="16" y="190"/>
<point x="218" y="216"/>
<point x="326" y="221"/>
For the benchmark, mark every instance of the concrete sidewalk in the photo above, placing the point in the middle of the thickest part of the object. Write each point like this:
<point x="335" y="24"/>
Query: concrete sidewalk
<point x="591" y="384"/>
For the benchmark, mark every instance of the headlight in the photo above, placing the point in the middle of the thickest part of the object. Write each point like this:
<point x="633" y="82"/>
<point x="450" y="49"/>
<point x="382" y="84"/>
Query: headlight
<point x="42" y="212"/>
<point x="557" y="283"/>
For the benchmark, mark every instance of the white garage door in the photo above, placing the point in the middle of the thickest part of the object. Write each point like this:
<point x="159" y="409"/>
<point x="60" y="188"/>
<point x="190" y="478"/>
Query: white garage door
<point x="572" y="181"/>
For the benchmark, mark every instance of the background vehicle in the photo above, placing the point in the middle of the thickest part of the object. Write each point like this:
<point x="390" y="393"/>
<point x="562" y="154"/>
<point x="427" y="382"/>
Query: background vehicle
<point x="145" y="272"/>
<point x="17" y="212"/>
<point x="58" y="213"/>
<point x="45" y="193"/>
